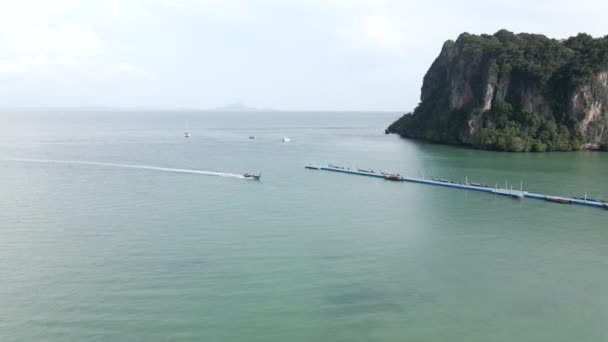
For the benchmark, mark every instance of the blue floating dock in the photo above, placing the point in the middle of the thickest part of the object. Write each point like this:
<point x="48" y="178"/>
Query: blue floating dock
<point x="346" y="170"/>
<point x="464" y="186"/>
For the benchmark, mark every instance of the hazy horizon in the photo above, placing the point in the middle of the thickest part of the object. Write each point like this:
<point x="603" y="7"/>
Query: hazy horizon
<point x="184" y="54"/>
<point x="251" y="110"/>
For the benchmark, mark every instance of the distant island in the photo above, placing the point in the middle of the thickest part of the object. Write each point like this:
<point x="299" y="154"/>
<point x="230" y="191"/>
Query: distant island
<point x="514" y="92"/>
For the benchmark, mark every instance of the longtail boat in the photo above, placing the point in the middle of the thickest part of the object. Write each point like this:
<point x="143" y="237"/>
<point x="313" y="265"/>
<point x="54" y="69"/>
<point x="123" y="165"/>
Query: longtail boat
<point x="252" y="176"/>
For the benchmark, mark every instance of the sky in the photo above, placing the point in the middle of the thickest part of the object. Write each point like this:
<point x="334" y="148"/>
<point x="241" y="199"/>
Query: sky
<point x="290" y="55"/>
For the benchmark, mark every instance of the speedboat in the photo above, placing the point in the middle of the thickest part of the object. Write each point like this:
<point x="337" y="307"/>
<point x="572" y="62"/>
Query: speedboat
<point x="186" y="134"/>
<point x="286" y="139"/>
<point x="252" y="176"/>
<point x="251" y="137"/>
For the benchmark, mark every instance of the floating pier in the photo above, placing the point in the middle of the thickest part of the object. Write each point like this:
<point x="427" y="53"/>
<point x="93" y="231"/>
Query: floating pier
<point x="518" y="194"/>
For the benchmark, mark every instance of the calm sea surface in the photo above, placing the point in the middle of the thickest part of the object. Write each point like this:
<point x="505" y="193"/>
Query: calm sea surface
<point x="92" y="252"/>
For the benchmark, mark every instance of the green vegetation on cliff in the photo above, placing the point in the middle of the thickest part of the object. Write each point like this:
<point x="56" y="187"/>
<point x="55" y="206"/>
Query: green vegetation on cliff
<point x="511" y="92"/>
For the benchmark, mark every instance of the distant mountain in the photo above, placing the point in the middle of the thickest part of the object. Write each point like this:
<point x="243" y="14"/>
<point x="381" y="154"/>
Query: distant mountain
<point x="515" y="92"/>
<point x="240" y="107"/>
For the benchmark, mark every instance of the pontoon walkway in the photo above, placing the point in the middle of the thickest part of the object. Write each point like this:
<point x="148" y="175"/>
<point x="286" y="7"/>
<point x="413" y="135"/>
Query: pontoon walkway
<point x="465" y="186"/>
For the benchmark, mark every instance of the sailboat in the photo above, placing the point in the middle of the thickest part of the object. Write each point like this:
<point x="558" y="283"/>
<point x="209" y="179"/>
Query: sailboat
<point x="187" y="132"/>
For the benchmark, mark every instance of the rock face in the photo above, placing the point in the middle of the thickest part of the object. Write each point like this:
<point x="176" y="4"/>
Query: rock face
<point x="512" y="92"/>
<point x="589" y="103"/>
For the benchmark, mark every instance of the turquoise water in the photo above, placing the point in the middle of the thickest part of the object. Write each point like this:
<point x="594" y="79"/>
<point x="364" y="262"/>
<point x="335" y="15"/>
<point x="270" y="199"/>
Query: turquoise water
<point x="93" y="252"/>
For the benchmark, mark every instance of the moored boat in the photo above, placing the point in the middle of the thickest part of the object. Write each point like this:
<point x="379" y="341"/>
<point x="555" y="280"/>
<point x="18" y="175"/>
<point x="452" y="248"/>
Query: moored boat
<point x="393" y="177"/>
<point x="364" y="170"/>
<point x="558" y="200"/>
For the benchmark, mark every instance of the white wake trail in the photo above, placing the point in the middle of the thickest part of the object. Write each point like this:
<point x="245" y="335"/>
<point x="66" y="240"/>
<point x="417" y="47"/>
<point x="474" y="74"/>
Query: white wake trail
<point x="127" y="166"/>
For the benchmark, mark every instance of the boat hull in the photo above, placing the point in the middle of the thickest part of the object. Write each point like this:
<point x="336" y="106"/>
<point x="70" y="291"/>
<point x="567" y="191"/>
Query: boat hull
<point x="395" y="178"/>
<point x="252" y="177"/>
<point x="558" y="200"/>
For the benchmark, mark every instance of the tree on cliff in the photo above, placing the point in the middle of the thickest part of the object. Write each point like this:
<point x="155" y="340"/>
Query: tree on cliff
<point x="514" y="92"/>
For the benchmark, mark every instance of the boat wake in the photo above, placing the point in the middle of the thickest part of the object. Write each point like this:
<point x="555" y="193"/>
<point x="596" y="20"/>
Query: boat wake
<point x="126" y="166"/>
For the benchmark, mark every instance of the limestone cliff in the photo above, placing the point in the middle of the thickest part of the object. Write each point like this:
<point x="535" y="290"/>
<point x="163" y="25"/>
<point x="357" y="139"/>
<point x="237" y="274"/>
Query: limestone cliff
<point x="512" y="92"/>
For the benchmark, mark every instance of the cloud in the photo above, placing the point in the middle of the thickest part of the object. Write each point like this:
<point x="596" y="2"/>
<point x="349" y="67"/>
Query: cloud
<point x="59" y="38"/>
<point x="39" y="48"/>
<point x="376" y="31"/>
<point x="175" y="4"/>
<point x="56" y="42"/>
<point x="30" y="47"/>
<point x="12" y="68"/>
<point x="24" y="65"/>
<point x="382" y="31"/>
<point x="126" y="67"/>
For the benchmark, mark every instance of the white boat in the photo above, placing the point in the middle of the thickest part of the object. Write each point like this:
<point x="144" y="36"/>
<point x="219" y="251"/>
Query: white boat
<point x="285" y="139"/>
<point x="187" y="131"/>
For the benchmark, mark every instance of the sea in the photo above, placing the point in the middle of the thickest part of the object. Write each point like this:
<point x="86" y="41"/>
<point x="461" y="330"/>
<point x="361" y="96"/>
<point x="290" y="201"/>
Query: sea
<point x="115" y="227"/>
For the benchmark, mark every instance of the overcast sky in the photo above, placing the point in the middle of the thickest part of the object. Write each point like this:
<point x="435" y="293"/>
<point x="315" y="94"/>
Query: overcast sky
<point x="299" y="55"/>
